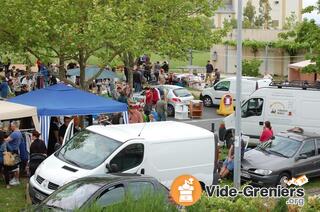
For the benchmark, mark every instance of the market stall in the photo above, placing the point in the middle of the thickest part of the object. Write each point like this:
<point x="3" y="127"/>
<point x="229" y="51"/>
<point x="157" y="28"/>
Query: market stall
<point x="9" y="110"/>
<point x="62" y="100"/>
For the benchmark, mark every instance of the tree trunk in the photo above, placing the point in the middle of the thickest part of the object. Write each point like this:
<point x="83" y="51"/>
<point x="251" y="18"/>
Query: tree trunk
<point x="82" y="70"/>
<point x="129" y="62"/>
<point x="62" y="72"/>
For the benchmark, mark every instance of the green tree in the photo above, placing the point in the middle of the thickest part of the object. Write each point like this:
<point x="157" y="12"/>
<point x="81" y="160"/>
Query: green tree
<point x="251" y="67"/>
<point x="291" y="22"/>
<point x="249" y="14"/>
<point x="69" y="29"/>
<point x="264" y="19"/>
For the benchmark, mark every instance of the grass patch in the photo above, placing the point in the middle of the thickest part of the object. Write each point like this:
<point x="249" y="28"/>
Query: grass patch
<point x="13" y="199"/>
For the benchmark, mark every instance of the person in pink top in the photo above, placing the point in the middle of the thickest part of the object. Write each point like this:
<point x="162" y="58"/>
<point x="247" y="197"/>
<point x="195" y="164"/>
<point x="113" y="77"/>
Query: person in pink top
<point x="267" y="132"/>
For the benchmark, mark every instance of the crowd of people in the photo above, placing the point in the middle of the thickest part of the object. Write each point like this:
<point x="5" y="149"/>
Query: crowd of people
<point x="31" y="150"/>
<point x="13" y="141"/>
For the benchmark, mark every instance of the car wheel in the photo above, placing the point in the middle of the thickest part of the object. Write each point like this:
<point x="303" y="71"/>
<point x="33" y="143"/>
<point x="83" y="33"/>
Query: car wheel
<point x="170" y="110"/>
<point x="282" y="180"/>
<point x="207" y="101"/>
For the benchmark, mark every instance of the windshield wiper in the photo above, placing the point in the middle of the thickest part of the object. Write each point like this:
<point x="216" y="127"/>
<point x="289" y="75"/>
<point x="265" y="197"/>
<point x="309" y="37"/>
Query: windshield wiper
<point x="72" y="162"/>
<point x="279" y="153"/>
<point x="69" y="161"/>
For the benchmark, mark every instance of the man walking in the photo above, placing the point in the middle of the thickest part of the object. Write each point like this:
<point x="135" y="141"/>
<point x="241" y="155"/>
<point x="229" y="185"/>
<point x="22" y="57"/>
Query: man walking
<point x="216" y="76"/>
<point x="161" y="108"/>
<point x="209" y="70"/>
<point x="137" y="80"/>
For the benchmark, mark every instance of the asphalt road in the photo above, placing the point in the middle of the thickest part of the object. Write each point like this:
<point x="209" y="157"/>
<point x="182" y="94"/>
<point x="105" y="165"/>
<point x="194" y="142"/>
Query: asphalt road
<point x="209" y="116"/>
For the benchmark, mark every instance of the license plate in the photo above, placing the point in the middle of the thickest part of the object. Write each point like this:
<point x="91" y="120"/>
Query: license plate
<point x="245" y="175"/>
<point x="39" y="196"/>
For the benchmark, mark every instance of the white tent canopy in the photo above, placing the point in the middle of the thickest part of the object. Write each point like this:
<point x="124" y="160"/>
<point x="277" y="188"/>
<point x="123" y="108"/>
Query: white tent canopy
<point x="301" y="64"/>
<point x="9" y="110"/>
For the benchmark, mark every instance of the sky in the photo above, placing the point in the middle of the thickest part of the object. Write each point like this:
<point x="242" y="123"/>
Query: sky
<point x="313" y="15"/>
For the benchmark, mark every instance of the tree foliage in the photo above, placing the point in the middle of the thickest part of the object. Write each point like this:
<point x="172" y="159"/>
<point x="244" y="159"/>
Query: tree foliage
<point x="79" y="29"/>
<point x="249" y="15"/>
<point x="251" y="67"/>
<point x="264" y="19"/>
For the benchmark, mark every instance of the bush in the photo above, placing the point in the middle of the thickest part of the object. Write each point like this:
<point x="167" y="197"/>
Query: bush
<point x="251" y="67"/>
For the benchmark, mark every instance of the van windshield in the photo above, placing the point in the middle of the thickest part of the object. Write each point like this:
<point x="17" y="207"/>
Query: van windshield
<point x="87" y="149"/>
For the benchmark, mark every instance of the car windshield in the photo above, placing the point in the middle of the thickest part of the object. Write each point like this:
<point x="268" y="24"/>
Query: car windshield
<point x="72" y="196"/>
<point x="87" y="149"/>
<point x="181" y="92"/>
<point x="282" y="146"/>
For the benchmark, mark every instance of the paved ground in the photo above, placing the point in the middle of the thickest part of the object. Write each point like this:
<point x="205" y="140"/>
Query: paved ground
<point x="209" y="116"/>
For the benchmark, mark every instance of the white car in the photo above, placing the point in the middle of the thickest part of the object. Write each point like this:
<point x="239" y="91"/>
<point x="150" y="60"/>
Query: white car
<point x="212" y="95"/>
<point x="175" y="95"/>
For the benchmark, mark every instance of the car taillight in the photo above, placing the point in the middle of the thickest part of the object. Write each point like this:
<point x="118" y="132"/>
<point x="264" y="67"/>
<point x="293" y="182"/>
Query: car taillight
<point x="175" y="100"/>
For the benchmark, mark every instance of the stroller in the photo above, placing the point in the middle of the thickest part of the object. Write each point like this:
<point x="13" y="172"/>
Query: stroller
<point x="35" y="160"/>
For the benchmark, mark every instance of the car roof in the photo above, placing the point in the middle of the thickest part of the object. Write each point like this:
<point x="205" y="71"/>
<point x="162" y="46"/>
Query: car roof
<point x="245" y="78"/>
<point x="152" y="131"/>
<point x="299" y="136"/>
<point x="170" y="86"/>
<point x="103" y="179"/>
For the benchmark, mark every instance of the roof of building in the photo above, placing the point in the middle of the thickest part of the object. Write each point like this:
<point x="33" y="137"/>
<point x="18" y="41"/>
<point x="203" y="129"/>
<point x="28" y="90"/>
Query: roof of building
<point x="154" y="131"/>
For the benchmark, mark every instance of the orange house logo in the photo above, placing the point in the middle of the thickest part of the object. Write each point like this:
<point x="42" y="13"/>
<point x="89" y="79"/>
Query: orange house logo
<point x="186" y="190"/>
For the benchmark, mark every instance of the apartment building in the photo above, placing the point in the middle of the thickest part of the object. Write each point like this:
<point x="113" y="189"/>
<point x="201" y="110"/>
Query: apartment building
<point x="280" y="9"/>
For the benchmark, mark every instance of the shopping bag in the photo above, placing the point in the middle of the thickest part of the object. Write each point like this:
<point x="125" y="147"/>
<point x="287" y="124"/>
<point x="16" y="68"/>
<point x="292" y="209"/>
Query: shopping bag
<point x="10" y="159"/>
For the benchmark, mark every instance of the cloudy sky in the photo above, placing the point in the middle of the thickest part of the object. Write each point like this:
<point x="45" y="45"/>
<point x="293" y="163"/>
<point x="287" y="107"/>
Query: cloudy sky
<point x="313" y="15"/>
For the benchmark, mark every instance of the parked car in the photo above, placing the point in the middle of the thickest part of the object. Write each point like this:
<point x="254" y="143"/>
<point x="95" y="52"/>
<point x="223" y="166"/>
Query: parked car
<point x="164" y="150"/>
<point x="290" y="154"/>
<point x="212" y="95"/>
<point x="285" y="107"/>
<point x="103" y="191"/>
<point x="175" y="95"/>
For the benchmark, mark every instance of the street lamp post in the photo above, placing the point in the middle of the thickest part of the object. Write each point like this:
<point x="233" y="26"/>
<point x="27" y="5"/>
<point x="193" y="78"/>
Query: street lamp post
<point x="237" y="141"/>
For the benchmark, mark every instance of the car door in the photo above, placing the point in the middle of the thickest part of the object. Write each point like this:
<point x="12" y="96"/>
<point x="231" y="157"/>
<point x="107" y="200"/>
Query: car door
<point x="252" y="117"/>
<point x="306" y="166"/>
<point x="111" y="195"/>
<point x="220" y="89"/>
<point x="128" y="159"/>
<point x="318" y="157"/>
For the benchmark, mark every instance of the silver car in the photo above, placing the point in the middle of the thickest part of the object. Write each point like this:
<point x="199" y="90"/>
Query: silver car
<point x="290" y="154"/>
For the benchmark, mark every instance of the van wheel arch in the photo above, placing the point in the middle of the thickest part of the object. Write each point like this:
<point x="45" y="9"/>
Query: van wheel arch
<point x="203" y="185"/>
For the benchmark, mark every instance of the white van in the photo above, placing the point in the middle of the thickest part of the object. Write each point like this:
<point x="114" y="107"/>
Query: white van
<point x="212" y="95"/>
<point x="284" y="107"/>
<point x="164" y="150"/>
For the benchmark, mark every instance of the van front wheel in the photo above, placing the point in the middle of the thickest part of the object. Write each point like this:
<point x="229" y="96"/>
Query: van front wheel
<point x="207" y="101"/>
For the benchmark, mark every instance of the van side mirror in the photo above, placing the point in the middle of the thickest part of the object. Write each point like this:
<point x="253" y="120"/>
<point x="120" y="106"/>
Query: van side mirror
<point x="301" y="156"/>
<point x="113" y="168"/>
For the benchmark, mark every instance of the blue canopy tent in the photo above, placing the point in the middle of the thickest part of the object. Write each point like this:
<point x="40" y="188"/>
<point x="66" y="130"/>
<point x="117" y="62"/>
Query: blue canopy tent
<point x="91" y="71"/>
<point x="60" y="100"/>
